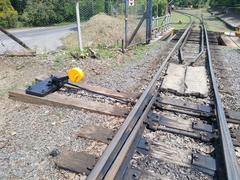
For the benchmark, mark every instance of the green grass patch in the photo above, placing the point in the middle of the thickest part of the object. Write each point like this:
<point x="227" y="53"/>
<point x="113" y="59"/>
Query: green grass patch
<point x="179" y="21"/>
<point x="59" y="60"/>
<point x="212" y="23"/>
<point x="104" y="52"/>
<point x="99" y="52"/>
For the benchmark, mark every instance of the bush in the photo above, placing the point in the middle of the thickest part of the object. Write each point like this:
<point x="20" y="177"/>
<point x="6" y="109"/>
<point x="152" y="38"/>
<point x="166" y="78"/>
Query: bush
<point x="41" y="13"/>
<point x="8" y="16"/>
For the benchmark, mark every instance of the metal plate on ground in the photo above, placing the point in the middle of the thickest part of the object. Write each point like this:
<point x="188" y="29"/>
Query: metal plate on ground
<point x="143" y="146"/>
<point x="42" y="88"/>
<point x="204" y="163"/>
<point x="96" y="133"/>
<point x="78" y="162"/>
<point x="185" y="104"/>
<point x="202" y="126"/>
<point x="183" y="127"/>
<point x="132" y="174"/>
<point x="234" y="116"/>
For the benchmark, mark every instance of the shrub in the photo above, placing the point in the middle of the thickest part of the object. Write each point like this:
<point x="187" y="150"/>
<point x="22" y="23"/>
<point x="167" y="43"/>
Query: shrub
<point x="8" y="16"/>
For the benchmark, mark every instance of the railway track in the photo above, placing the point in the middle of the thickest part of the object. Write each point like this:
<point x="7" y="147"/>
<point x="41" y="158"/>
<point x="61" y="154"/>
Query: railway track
<point x="176" y="129"/>
<point x="176" y="112"/>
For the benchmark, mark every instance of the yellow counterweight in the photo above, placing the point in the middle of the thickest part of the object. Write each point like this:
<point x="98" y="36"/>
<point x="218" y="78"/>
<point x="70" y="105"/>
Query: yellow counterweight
<point x="76" y="75"/>
<point x="238" y="32"/>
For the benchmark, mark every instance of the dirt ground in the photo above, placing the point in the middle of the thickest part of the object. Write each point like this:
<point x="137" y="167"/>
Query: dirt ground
<point x="30" y="132"/>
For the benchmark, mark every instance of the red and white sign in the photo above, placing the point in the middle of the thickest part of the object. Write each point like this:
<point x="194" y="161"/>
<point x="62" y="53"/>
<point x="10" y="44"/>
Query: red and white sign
<point x="131" y="2"/>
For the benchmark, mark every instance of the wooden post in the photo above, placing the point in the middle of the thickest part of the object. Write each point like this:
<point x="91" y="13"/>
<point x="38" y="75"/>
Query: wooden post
<point x="79" y="27"/>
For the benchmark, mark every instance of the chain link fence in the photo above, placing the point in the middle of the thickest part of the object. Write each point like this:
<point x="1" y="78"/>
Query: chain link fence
<point x="103" y="23"/>
<point x="135" y="14"/>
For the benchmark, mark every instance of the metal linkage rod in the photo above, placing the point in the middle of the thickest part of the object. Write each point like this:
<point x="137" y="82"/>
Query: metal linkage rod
<point x="231" y="164"/>
<point x="15" y="39"/>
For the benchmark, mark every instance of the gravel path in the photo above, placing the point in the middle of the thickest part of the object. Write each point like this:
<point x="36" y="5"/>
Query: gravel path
<point x="30" y="132"/>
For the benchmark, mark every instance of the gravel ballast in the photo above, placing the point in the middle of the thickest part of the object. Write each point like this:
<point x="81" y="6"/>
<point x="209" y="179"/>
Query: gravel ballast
<point x="29" y="133"/>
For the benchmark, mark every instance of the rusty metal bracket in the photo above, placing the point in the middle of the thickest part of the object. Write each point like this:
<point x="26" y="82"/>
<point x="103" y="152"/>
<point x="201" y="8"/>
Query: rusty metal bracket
<point x="132" y="174"/>
<point x="204" y="132"/>
<point x="204" y="163"/>
<point x="185" y="107"/>
<point x="202" y="126"/>
<point x="143" y="146"/>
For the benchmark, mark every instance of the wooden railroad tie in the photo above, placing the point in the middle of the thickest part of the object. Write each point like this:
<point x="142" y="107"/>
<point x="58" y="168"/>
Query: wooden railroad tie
<point x="58" y="100"/>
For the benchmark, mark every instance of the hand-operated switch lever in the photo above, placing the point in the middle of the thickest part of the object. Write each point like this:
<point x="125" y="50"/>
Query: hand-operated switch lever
<point x="54" y="83"/>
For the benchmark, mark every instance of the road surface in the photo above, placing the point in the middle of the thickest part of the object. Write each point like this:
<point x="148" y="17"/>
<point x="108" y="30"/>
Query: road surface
<point x="42" y="40"/>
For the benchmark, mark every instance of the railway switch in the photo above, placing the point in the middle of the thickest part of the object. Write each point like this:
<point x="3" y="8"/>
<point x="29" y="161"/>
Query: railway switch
<point x="53" y="83"/>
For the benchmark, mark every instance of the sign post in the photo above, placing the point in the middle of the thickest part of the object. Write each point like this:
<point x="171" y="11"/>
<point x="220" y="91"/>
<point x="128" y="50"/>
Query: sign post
<point x="79" y="27"/>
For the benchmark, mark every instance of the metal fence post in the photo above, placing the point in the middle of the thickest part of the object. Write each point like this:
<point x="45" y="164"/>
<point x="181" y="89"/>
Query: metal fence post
<point x="149" y="22"/>
<point x="79" y="28"/>
<point x="126" y="23"/>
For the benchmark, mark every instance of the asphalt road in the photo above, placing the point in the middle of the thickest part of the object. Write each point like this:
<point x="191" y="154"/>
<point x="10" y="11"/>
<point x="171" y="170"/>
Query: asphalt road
<point x="42" y="40"/>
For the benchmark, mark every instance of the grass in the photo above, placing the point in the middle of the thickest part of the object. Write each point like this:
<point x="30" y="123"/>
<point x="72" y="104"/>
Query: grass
<point x="212" y="23"/>
<point x="59" y="60"/>
<point x="179" y="21"/>
<point x="100" y="52"/>
<point x="105" y="53"/>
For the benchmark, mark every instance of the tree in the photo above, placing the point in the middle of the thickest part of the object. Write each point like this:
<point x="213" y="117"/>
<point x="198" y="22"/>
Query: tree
<point x="225" y="2"/>
<point x="45" y="12"/>
<point x="186" y="3"/>
<point x="19" y="5"/>
<point x="159" y="7"/>
<point x="8" y="16"/>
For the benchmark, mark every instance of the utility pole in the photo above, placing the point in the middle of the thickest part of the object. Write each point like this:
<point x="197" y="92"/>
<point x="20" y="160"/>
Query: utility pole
<point x="79" y="26"/>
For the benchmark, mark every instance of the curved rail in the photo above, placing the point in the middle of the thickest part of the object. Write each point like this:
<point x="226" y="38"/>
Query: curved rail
<point x="185" y="40"/>
<point x="230" y="160"/>
<point x="231" y="165"/>
<point x="111" y="162"/>
<point x="107" y="162"/>
<point x="201" y="47"/>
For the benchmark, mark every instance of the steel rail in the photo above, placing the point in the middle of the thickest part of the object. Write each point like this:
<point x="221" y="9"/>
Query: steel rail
<point x="183" y="44"/>
<point x="202" y="38"/>
<point x="201" y="47"/>
<point x="230" y="160"/>
<point x="118" y="163"/>
<point x="110" y="154"/>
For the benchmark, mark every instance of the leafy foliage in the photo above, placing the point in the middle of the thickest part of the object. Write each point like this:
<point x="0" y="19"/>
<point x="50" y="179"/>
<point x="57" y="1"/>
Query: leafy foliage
<point x="225" y="2"/>
<point x="46" y="12"/>
<point x="19" y="5"/>
<point x="8" y="16"/>
<point x="197" y="3"/>
<point x="159" y="7"/>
